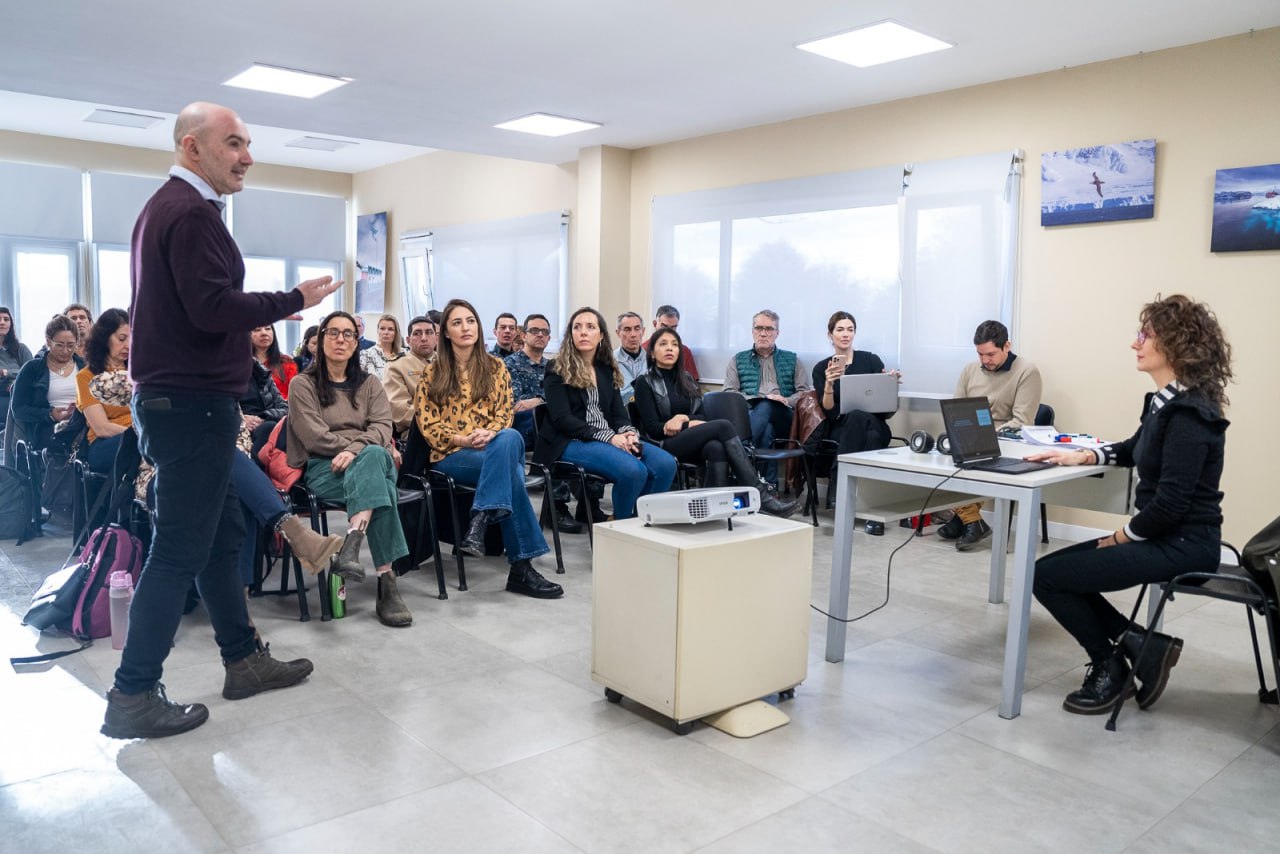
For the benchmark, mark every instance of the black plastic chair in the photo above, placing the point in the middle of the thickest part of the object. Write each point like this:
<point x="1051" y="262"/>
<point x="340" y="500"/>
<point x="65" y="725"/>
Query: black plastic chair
<point x="570" y="473"/>
<point x="88" y="483"/>
<point x="1231" y="583"/>
<point x="732" y="407"/>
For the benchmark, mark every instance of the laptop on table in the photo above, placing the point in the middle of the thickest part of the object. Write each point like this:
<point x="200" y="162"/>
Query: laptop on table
<point x="974" y="444"/>
<point x="877" y="393"/>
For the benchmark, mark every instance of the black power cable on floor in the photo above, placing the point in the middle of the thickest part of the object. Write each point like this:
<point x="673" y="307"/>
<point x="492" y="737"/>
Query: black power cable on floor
<point x="889" y="567"/>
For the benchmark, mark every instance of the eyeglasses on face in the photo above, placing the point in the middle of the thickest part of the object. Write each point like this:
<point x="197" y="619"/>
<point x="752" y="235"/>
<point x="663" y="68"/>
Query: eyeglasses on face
<point x="344" y="334"/>
<point x="764" y="329"/>
<point x="534" y="330"/>
<point x="62" y="345"/>
<point x="1142" y="336"/>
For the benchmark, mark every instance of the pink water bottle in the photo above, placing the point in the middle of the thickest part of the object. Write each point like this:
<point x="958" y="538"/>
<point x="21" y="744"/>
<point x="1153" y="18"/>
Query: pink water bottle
<point x="120" y="595"/>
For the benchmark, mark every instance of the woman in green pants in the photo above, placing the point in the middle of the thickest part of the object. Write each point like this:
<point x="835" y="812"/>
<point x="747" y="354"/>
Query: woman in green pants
<point x="339" y="432"/>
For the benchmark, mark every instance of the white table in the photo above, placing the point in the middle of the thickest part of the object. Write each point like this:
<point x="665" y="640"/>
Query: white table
<point x="893" y="483"/>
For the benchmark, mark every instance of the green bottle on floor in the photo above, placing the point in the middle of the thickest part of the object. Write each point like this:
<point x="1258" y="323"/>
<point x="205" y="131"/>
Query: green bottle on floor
<point x="337" y="596"/>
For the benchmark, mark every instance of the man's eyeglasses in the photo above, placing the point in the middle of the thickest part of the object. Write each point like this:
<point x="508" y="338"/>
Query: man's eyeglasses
<point x="344" y="334"/>
<point x="533" y="330"/>
<point x="765" y="328"/>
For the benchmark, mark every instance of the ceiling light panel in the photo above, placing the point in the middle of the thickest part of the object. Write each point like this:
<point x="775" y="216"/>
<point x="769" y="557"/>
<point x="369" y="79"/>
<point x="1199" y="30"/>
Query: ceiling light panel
<point x="544" y="124"/>
<point x="122" y="118"/>
<point x="286" y="81"/>
<point x="319" y="143"/>
<point x="886" y="41"/>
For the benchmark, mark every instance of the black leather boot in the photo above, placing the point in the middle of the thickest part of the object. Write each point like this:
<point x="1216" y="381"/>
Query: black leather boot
<point x="1103" y="684"/>
<point x="1163" y="652"/>
<point x="524" y="579"/>
<point x="717" y="474"/>
<point x="473" y="540"/>
<point x="745" y="473"/>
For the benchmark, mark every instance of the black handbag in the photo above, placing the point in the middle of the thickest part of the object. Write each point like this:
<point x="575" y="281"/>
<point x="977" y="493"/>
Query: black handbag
<point x="1261" y="557"/>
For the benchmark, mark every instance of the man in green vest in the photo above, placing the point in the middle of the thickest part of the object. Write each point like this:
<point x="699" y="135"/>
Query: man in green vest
<point x="772" y="380"/>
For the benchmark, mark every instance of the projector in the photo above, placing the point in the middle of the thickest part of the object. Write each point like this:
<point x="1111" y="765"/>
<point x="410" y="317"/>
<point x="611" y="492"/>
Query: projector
<point x="691" y="506"/>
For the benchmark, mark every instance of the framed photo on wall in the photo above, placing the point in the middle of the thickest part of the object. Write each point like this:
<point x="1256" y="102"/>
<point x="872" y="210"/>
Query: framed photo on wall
<point x="1246" y="209"/>
<point x="1100" y="183"/>
<point x="371" y="262"/>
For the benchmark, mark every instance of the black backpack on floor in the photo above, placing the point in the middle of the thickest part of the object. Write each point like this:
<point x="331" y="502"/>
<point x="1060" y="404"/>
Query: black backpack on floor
<point x="15" y="505"/>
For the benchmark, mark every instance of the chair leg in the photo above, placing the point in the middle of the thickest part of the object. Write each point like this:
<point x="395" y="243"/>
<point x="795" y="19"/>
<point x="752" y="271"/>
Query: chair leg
<point x="810" y="489"/>
<point x="1044" y="523"/>
<point x="436" y="555"/>
<point x="457" y="539"/>
<point x="1271" y="697"/>
<point x="549" y="510"/>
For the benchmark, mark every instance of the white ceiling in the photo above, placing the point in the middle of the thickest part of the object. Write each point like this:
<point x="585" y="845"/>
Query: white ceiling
<point x="438" y="75"/>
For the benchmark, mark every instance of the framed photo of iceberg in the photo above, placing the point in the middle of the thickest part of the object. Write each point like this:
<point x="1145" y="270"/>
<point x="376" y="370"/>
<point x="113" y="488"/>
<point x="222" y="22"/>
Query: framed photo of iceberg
<point x="1246" y="209"/>
<point x="1101" y="183"/>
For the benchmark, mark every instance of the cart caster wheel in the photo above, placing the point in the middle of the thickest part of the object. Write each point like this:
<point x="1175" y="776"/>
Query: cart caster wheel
<point x="682" y="729"/>
<point x="612" y="696"/>
<point x="789" y="694"/>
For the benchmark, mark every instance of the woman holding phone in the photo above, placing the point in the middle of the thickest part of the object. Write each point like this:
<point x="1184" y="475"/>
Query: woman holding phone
<point x="854" y="431"/>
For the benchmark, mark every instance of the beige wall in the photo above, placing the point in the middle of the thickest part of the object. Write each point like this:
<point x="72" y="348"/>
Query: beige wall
<point x="448" y="188"/>
<point x="1209" y="106"/>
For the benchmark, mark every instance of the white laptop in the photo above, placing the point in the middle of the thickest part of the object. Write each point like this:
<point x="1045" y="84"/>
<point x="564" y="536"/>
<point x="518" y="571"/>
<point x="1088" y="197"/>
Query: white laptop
<point x="868" y="393"/>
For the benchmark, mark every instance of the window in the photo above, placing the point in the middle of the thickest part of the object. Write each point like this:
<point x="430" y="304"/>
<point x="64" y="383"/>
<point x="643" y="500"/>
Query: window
<point x="516" y="265"/>
<point x="271" y="275"/>
<point x="919" y="255"/>
<point x="38" y="281"/>
<point x="112" y="277"/>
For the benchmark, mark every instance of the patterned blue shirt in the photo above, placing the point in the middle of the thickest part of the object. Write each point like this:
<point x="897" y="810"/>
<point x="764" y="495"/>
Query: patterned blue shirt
<point x="526" y="377"/>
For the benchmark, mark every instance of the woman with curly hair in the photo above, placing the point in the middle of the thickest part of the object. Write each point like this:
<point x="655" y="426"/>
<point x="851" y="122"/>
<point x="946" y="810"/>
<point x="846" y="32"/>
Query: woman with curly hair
<point x="102" y="387"/>
<point x="586" y="422"/>
<point x="1178" y="453"/>
<point x="464" y="412"/>
<point x="266" y="352"/>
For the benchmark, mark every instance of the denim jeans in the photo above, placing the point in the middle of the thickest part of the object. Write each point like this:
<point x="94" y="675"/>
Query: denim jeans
<point x="497" y="473"/>
<point x="102" y="453"/>
<point x="262" y="506"/>
<point x="369" y="483"/>
<point x="197" y="535"/>
<point x="1070" y="582"/>
<point x="631" y="476"/>
<point x="770" y="420"/>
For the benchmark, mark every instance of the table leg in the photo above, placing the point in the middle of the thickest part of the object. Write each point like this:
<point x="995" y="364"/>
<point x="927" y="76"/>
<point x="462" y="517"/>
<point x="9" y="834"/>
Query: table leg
<point x="999" y="546"/>
<point x="841" y="562"/>
<point x="1015" y="641"/>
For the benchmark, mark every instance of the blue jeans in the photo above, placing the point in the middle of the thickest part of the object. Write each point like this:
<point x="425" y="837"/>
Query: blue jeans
<point x="770" y="420"/>
<point x="191" y="439"/>
<point x="652" y="471"/>
<point x="102" y="453"/>
<point x="497" y="473"/>
<point x="262" y="506"/>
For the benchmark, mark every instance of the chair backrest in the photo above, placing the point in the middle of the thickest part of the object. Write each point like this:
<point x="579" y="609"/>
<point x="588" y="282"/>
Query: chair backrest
<point x="730" y="406"/>
<point x="1044" y="416"/>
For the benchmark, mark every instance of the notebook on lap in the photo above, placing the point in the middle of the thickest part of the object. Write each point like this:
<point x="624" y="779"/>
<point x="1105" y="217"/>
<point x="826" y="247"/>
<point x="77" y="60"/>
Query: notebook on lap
<point x="974" y="444"/>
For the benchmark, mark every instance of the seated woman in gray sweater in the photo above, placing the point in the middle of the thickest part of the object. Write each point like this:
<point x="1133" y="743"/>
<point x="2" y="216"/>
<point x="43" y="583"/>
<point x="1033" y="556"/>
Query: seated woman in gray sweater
<point x="1178" y="453"/>
<point x="339" y="432"/>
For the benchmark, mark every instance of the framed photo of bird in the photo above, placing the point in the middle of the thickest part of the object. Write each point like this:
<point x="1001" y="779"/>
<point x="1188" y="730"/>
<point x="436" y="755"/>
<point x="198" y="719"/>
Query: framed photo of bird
<point x="1098" y="183"/>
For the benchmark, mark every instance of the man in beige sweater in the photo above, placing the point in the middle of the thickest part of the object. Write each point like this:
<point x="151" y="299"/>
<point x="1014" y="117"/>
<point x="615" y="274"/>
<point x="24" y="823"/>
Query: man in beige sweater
<point x="1012" y="385"/>
<point x="401" y="382"/>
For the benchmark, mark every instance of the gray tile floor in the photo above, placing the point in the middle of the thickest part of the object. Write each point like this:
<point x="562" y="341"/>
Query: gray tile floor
<point x="479" y="729"/>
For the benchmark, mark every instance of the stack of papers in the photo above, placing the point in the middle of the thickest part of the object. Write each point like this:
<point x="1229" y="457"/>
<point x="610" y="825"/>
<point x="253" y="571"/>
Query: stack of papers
<point x="1053" y="438"/>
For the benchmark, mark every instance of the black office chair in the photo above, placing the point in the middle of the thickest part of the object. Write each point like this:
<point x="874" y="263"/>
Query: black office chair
<point x="732" y="407"/>
<point x="1044" y="418"/>
<point x="570" y="473"/>
<point x="1231" y="583"/>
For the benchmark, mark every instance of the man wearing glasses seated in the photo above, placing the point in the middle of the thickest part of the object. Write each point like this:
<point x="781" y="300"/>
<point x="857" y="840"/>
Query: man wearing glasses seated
<point x="772" y="380"/>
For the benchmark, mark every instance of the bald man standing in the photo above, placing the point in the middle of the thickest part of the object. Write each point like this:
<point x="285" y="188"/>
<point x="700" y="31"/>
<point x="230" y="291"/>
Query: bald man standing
<point x="190" y="361"/>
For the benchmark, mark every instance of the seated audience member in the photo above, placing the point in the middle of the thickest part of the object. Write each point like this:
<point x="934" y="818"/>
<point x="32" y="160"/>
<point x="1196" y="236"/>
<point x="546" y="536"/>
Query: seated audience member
<point x="44" y="393"/>
<point x="1012" y="385"/>
<point x="365" y="343"/>
<point x="387" y="349"/>
<point x="528" y="369"/>
<point x="669" y="405"/>
<point x="464" y="413"/>
<point x="669" y="316"/>
<point x="266" y="352"/>
<point x="630" y="355"/>
<point x="857" y="430"/>
<point x="107" y="359"/>
<point x="261" y="406"/>
<point x="504" y="333"/>
<point x="339" y="432"/>
<point x="83" y="320"/>
<point x="772" y="379"/>
<point x="404" y="374"/>
<point x="1178" y="453"/>
<point x="306" y="352"/>
<point x="13" y="355"/>
<point x="587" y="422"/>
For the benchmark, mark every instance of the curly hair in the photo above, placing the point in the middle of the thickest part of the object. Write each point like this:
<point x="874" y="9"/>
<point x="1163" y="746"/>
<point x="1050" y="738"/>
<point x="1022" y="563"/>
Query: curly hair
<point x="576" y="371"/>
<point x="98" y="347"/>
<point x="354" y="376"/>
<point x="685" y="383"/>
<point x="480" y="367"/>
<point x="1187" y="333"/>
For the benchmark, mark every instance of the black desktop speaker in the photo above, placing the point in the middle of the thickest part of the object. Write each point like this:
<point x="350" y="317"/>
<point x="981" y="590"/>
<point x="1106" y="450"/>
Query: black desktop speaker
<point x="944" y="445"/>
<point x="921" y="442"/>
